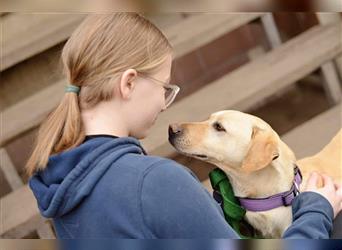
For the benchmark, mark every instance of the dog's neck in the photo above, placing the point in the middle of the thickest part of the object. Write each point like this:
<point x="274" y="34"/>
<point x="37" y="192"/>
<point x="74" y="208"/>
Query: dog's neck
<point x="275" y="178"/>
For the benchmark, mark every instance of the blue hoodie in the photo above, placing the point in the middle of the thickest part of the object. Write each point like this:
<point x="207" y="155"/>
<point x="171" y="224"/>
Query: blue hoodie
<point x="108" y="187"/>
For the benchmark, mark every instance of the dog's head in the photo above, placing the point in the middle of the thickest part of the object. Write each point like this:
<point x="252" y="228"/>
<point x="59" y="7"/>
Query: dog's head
<point x="229" y="138"/>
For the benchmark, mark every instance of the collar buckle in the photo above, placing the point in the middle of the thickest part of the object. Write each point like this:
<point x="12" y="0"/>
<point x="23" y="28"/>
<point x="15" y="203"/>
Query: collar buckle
<point x="218" y="197"/>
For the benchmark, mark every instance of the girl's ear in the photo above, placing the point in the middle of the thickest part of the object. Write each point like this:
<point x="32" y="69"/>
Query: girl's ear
<point x="127" y="83"/>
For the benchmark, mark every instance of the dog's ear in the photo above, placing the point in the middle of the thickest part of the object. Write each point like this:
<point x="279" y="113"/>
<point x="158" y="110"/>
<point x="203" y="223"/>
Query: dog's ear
<point x="262" y="151"/>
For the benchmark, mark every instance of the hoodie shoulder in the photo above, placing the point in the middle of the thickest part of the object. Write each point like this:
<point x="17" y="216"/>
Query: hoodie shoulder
<point x="143" y="163"/>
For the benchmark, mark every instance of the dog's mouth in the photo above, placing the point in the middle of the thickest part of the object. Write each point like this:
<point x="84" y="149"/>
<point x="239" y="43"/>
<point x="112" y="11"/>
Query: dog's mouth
<point x="200" y="156"/>
<point x="184" y="152"/>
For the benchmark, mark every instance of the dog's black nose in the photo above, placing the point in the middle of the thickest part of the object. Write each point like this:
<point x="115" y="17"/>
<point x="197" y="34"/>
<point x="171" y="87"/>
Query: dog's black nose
<point x="174" y="129"/>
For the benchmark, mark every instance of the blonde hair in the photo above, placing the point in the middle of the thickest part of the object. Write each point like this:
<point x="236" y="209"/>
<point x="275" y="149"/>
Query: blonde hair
<point x="102" y="47"/>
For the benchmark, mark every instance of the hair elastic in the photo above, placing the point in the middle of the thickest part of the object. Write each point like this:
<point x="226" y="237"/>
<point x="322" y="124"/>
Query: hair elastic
<point x="72" y="88"/>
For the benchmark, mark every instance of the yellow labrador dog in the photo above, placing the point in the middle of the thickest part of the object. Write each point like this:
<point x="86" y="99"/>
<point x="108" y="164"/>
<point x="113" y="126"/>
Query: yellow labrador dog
<point x="257" y="162"/>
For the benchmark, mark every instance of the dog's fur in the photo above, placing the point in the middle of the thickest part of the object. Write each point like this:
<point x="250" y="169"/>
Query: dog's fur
<point x="258" y="163"/>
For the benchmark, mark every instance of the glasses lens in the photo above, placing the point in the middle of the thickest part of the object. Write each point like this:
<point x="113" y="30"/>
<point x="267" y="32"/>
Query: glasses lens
<point x="169" y="96"/>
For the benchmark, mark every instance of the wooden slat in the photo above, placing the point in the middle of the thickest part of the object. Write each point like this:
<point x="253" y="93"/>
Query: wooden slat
<point x="310" y="137"/>
<point x="24" y="35"/>
<point x="45" y="231"/>
<point x="271" y="30"/>
<point x="332" y="17"/>
<point x="198" y="30"/>
<point x="250" y="83"/>
<point x="331" y="84"/>
<point x="165" y="20"/>
<point x="19" y="213"/>
<point x="9" y="170"/>
<point x="30" y="112"/>
<point x="43" y="228"/>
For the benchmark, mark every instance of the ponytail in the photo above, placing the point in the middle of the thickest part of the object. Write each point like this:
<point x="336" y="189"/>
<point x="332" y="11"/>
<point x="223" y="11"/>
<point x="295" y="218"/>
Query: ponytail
<point x="61" y="130"/>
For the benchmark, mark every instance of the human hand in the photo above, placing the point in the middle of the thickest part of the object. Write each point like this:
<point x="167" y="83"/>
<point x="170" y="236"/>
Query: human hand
<point x="330" y="190"/>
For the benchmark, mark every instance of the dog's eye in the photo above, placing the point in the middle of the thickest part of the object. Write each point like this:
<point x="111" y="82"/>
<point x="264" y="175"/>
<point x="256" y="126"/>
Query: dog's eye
<point x="219" y="127"/>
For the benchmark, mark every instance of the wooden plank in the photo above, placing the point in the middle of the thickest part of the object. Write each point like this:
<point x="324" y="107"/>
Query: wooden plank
<point x="19" y="213"/>
<point x="44" y="229"/>
<point x="250" y="83"/>
<point x="331" y="84"/>
<point x="310" y="137"/>
<point x="274" y="40"/>
<point x="271" y="30"/>
<point x="9" y="170"/>
<point x="30" y="112"/>
<point x="198" y="30"/>
<point x="165" y="20"/>
<point x="332" y="17"/>
<point x="24" y="35"/>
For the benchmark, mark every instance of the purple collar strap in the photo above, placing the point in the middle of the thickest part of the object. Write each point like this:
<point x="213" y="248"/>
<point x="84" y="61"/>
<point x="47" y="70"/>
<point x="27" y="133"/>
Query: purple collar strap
<point x="274" y="201"/>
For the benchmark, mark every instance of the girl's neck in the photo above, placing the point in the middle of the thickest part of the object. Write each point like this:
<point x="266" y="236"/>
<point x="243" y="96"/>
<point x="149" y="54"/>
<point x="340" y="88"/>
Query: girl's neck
<point x="99" y="122"/>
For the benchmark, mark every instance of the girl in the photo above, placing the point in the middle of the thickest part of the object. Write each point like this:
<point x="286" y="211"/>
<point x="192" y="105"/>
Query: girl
<point x="88" y="170"/>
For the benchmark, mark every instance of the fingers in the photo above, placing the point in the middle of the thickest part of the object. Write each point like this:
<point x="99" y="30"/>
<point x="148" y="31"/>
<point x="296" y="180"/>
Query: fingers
<point x="338" y="188"/>
<point x="312" y="181"/>
<point x="328" y="182"/>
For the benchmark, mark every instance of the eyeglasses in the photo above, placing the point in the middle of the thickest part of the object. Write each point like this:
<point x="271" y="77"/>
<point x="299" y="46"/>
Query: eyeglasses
<point x="171" y="90"/>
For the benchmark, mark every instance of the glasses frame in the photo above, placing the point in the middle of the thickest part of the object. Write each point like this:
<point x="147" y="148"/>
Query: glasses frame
<point x="174" y="88"/>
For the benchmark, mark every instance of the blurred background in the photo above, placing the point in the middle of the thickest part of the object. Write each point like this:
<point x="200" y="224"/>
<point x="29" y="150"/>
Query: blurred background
<point x="285" y="68"/>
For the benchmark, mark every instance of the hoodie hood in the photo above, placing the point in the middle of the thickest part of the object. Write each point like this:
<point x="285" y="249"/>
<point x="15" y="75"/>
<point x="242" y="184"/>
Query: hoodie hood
<point x="71" y="175"/>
